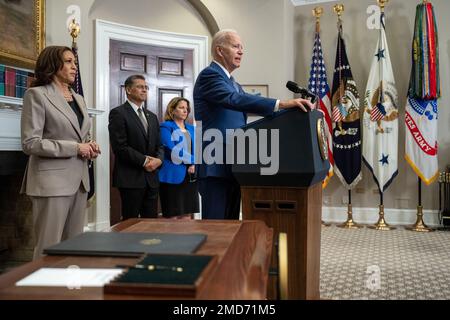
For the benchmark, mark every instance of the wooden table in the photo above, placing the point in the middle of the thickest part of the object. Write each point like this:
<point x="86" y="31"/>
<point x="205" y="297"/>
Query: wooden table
<point x="243" y="249"/>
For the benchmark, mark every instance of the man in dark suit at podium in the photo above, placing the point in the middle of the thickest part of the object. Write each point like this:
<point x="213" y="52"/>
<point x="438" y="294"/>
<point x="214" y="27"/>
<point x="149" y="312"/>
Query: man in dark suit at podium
<point x="220" y="103"/>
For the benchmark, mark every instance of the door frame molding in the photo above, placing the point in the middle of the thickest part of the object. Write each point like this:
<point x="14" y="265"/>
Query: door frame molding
<point x="104" y="32"/>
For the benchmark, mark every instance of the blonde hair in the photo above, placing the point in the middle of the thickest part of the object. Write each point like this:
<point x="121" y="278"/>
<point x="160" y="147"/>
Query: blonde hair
<point x="172" y="105"/>
<point x="221" y="38"/>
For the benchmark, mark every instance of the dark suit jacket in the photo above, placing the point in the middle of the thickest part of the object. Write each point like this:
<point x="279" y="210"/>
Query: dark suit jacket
<point x="219" y="105"/>
<point x="130" y="145"/>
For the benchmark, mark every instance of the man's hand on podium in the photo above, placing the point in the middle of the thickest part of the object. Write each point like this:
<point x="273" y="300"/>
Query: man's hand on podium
<point x="303" y="104"/>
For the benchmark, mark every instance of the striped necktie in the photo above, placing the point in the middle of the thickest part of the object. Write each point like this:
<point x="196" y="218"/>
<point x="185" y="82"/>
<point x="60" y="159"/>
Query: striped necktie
<point x="143" y="120"/>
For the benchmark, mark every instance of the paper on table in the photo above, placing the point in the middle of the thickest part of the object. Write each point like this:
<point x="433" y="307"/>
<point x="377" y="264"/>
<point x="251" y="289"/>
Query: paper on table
<point x="72" y="277"/>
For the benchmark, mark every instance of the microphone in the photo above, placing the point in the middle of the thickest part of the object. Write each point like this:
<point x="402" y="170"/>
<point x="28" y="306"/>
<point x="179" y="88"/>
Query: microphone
<point x="304" y="93"/>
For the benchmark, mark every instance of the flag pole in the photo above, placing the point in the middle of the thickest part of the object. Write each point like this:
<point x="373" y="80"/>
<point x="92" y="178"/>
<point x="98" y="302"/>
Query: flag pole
<point x="74" y="31"/>
<point x="419" y="226"/>
<point x="381" y="223"/>
<point x="350" y="224"/>
<point x="339" y="9"/>
<point x="317" y="13"/>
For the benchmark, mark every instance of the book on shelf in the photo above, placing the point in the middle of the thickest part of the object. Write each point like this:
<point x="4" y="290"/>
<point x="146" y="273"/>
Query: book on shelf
<point x="10" y="82"/>
<point x="14" y="82"/>
<point x="21" y="83"/>
<point x="2" y="80"/>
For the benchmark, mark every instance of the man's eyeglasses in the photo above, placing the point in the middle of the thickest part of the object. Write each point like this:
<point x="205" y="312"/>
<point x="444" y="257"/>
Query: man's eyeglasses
<point x="141" y="87"/>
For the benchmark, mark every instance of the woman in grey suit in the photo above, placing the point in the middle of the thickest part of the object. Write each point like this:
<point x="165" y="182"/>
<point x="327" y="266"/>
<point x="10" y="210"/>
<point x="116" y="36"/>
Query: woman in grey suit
<point x="55" y="134"/>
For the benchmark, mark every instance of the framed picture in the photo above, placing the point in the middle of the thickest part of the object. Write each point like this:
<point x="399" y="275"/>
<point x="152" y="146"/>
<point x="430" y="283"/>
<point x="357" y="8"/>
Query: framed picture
<point x="256" y="89"/>
<point x="22" y="34"/>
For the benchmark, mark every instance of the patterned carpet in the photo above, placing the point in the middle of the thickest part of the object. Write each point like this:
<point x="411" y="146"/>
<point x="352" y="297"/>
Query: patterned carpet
<point x="398" y="264"/>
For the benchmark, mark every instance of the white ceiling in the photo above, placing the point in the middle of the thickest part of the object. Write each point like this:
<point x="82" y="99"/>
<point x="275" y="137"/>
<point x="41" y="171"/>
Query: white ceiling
<point x="305" y="2"/>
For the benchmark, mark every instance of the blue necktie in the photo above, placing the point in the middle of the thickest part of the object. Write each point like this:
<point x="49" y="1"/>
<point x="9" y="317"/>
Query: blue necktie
<point x="235" y="85"/>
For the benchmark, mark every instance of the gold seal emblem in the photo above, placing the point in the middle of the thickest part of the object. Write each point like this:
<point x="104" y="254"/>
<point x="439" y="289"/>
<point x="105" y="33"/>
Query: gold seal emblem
<point x="323" y="147"/>
<point x="151" y="242"/>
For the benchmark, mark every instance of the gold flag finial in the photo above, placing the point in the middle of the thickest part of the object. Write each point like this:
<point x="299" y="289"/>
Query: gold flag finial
<point x="74" y="28"/>
<point x="338" y="9"/>
<point x="317" y="12"/>
<point x="382" y="4"/>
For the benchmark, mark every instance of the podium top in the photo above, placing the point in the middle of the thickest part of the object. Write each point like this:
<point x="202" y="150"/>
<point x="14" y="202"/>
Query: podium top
<point x="289" y="147"/>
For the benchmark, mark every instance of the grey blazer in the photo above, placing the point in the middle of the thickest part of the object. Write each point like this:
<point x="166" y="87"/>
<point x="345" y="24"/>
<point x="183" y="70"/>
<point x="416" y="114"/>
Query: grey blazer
<point x="50" y="134"/>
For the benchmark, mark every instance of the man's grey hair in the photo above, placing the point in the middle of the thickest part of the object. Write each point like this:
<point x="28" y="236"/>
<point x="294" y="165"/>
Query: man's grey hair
<point x="221" y="38"/>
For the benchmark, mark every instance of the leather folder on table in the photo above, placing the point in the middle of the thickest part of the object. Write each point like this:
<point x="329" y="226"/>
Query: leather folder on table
<point x="127" y="244"/>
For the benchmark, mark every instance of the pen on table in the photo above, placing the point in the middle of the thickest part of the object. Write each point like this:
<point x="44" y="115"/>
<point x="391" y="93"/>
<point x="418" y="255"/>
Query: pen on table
<point x="151" y="267"/>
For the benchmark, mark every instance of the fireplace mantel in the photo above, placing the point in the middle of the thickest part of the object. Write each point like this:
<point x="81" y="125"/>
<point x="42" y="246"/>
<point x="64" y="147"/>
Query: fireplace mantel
<point x="10" y="112"/>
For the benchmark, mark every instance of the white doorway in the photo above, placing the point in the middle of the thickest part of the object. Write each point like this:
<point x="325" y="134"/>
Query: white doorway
<point x="105" y="32"/>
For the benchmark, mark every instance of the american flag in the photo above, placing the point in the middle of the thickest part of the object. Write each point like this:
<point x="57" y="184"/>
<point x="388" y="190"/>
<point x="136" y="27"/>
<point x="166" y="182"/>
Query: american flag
<point x="377" y="112"/>
<point x="319" y="86"/>
<point x="339" y="113"/>
<point x="337" y="116"/>
<point x="78" y="88"/>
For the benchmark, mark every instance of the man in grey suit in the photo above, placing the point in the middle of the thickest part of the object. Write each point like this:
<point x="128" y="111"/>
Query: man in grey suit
<point x="55" y="134"/>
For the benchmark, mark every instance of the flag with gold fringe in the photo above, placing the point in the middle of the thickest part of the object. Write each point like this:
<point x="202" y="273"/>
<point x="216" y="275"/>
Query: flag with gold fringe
<point x="318" y="85"/>
<point x="421" y="111"/>
<point x="380" y="117"/>
<point x="345" y="116"/>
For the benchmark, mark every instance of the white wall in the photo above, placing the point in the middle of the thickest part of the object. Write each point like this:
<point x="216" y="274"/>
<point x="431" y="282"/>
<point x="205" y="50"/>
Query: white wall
<point x="266" y="29"/>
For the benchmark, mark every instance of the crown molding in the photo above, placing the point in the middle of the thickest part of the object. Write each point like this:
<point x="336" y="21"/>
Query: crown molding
<point x="307" y="2"/>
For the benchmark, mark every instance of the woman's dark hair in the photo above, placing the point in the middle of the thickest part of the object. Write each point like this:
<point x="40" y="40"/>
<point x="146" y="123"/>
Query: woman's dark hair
<point x="49" y="62"/>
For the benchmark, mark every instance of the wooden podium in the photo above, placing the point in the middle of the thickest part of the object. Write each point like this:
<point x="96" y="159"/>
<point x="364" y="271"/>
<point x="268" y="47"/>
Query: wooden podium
<point x="291" y="200"/>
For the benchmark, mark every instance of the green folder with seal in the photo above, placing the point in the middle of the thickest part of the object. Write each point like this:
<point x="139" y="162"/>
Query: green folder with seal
<point x="165" y="275"/>
<point x="126" y="244"/>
